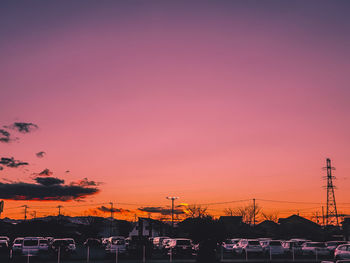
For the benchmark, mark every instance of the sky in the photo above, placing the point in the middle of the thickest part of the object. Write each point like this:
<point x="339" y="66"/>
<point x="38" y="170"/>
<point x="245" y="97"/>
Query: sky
<point x="209" y="101"/>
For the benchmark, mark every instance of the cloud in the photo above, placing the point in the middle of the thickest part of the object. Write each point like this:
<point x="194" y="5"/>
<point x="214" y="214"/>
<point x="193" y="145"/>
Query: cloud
<point x="4" y="136"/>
<point x="47" y="181"/>
<point x="160" y="210"/>
<point x="23" y="127"/>
<point x="45" y="172"/>
<point x="114" y="210"/>
<point x="85" y="182"/>
<point x="11" y="162"/>
<point x="40" y="154"/>
<point x="40" y="192"/>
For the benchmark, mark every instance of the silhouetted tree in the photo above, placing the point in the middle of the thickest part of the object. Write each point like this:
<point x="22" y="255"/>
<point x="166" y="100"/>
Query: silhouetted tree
<point x="196" y="211"/>
<point x="246" y="212"/>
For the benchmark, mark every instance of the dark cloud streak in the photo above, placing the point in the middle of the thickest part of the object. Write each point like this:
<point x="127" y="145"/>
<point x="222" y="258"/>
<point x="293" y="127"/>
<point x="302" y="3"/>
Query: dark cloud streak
<point x="40" y="192"/>
<point x="160" y="210"/>
<point x="11" y="162"/>
<point x="47" y="181"/>
<point x="23" y="127"/>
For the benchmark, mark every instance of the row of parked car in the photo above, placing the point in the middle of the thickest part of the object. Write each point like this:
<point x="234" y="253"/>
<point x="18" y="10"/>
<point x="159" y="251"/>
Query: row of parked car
<point x="295" y="247"/>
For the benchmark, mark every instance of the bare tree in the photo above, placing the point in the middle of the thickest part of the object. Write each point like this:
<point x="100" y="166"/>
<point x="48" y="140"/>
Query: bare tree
<point x="196" y="211"/>
<point x="272" y="216"/>
<point x="246" y="212"/>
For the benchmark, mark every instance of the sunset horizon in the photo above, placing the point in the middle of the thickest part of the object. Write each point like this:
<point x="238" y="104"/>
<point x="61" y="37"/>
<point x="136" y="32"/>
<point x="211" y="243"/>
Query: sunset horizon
<point x="216" y="103"/>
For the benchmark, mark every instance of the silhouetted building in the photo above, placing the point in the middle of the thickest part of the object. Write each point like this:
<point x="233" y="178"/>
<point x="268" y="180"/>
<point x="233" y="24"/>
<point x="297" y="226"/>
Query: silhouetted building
<point x="296" y="226"/>
<point x="149" y="227"/>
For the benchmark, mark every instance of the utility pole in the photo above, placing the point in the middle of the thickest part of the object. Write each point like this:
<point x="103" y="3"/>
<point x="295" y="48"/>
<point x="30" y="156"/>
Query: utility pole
<point x="172" y="198"/>
<point x="59" y="210"/>
<point x="25" y="212"/>
<point x="332" y="213"/>
<point x="111" y="203"/>
<point x="254" y="212"/>
<point x="322" y="215"/>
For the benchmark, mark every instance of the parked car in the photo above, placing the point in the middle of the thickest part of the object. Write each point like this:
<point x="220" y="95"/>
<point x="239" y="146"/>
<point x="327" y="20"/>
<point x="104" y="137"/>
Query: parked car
<point x="291" y="247"/>
<point x="249" y="246"/>
<point x="273" y="247"/>
<point x="158" y="242"/>
<point x="31" y="246"/>
<point x="228" y="244"/>
<point x="116" y="243"/>
<point x="92" y="242"/>
<point x="315" y="248"/>
<point x="332" y="245"/>
<point x="342" y="252"/>
<point x="180" y="247"/>
<point x="43" y="245"/>
<point x="4" y="246"/>
<point x="62" y="245"/>
<point x="17" y="246"/>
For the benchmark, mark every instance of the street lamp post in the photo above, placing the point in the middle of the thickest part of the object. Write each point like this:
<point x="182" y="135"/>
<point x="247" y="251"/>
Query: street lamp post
<point x="172" y="198"/>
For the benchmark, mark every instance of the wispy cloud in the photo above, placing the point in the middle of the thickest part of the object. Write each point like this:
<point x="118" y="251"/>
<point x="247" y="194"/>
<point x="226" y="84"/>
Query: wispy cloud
<point x="85" y="182"/>
<point x="114" y="210"/>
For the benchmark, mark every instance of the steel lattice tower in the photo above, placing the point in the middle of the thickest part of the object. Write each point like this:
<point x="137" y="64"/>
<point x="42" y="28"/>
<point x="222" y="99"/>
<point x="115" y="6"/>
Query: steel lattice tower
<point x="332" y="214"/>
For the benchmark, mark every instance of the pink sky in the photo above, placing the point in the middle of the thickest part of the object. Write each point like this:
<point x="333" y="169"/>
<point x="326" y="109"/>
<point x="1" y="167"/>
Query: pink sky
<point x="208" y="101"/>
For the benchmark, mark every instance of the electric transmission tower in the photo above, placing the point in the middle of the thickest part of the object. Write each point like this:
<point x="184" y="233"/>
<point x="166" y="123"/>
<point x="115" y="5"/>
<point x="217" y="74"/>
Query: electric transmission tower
<point x="331" y="212"/>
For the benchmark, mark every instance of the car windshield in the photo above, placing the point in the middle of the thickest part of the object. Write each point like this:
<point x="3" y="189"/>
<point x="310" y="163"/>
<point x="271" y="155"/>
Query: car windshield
<point x="253" y="242"/>
<point x="18" y="241"/>
<point x="30" y="242"/>
<point x="59" y="243"/>
<point x="43" y="241"/>
<point x="335" y="243"/>
<point x="315" y="245"/>
<point x="70" y="241"/>
<point x="275" y="243"/>
<point x="3" y="238"/>
<point x="228" y="241"/>
<point x="183" y="242"/>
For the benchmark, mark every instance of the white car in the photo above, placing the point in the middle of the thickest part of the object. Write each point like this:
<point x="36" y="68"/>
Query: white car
<point x="31" y="246"/>
<point x="342" y="252"/>
<point x="332" y="245"/>
<point x="116" y="243"/>
<point x="4" y="238"/>
<point x="228" y="244"/>
<point x="249" y="246"/>
<point x="315" y="248"/>
<point x="158" y="242"/>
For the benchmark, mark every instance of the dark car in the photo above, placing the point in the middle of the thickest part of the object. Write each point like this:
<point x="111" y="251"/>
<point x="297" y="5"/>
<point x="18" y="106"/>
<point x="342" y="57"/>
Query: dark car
<point x="93" y="242"/>
<point x="62" y="246"/>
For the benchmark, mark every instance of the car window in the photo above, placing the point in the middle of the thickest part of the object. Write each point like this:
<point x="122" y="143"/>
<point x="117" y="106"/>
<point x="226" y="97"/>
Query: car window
<point x="275" y="243"/>
<point x="253" y="242"/>
<point x="31" y="242"/>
